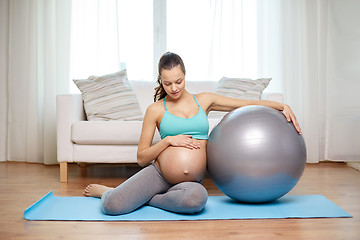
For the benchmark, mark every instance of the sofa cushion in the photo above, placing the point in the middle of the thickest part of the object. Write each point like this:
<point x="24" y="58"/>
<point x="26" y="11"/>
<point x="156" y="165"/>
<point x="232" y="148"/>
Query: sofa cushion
<point x="109" y="97"/>
<point x="105" y="153"/>
<point x="242" y="88"/>
<point x="108" y="132"/>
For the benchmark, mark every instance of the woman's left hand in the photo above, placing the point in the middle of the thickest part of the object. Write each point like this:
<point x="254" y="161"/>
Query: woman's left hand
<point x="290" y="117"/>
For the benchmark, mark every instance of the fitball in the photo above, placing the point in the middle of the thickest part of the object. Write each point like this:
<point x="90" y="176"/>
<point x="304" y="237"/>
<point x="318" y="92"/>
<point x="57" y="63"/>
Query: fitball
<point x="255" y="155"/>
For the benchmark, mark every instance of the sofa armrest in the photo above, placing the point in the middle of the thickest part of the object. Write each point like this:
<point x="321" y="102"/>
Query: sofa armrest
<point x="69" y="109"/>
<point x="276" y="97"/>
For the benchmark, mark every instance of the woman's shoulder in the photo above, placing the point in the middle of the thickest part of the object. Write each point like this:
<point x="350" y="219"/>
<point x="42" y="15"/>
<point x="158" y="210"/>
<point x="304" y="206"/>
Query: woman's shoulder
<point x="157" y="104"/>
<point x="156" y="108"/>
<point x="205" y="99"/>
<point x="205" y="96"/>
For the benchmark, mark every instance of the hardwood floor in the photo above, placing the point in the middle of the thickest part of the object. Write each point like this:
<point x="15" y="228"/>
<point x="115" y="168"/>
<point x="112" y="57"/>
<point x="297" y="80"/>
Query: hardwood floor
<point x="21" y="184"/>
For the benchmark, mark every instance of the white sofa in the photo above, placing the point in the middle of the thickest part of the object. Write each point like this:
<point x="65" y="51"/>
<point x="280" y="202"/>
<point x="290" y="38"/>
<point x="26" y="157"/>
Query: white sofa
<point x="82" y="141"/>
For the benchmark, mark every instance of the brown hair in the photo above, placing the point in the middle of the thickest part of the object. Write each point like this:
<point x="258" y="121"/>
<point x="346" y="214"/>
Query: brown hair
<point x="168" y="61"/>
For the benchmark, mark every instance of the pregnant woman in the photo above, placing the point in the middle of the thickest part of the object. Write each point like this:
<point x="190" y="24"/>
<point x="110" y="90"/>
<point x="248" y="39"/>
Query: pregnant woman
<point x="176" y="165"/>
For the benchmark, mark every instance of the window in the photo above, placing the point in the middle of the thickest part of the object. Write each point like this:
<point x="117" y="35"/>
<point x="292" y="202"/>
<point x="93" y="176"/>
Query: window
<point x="107" y="34"/>
<point x="188" y="34"/>
<point x="215" y="38"/>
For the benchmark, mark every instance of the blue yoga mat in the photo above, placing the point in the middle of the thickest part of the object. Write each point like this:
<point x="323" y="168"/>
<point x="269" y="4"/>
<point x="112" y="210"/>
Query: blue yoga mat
<point x="51" y="207"/>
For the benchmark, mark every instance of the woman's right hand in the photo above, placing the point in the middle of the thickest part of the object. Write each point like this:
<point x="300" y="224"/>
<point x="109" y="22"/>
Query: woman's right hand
<point x="184" y="141"/>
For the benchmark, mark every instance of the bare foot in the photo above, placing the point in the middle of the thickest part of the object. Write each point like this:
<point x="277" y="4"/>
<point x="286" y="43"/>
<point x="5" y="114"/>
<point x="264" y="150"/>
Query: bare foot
<point x="95" y="190"/>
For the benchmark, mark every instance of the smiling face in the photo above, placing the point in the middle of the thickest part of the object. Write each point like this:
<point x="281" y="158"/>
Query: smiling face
<point x="173" y="81"/>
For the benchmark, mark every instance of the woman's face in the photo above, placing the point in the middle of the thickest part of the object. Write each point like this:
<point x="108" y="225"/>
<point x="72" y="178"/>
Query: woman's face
<point x="173" y="81"/>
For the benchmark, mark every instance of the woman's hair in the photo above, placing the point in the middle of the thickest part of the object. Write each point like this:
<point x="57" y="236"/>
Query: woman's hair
<point x="168" y="61"/>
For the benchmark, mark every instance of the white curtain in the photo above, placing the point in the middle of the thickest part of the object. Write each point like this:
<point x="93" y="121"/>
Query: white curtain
<point x="95" y="40"/>
<point x="343" y="74"/>
<point x="106" y="34"/>
<point x="215" y="39"/>
<point x="234" y="38"/>
<point x="3" y="77"/>
<point x="35" y="50"/>
<point x="316" y="56"/>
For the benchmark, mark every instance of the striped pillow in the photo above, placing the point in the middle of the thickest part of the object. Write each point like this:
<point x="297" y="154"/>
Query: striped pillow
<point x="242" y="88"/>
<point x="109" y="97"/>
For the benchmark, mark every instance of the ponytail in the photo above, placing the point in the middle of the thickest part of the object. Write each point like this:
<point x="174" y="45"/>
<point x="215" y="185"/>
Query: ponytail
<point x="159" y="90"/>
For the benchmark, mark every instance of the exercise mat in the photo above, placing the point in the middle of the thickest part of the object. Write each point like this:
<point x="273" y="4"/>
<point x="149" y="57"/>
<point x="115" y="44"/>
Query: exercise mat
<point x="51" y="207"/>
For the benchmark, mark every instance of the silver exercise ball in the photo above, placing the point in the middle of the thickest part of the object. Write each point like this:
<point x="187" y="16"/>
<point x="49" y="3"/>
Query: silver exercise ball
<point x="254" y="155"/>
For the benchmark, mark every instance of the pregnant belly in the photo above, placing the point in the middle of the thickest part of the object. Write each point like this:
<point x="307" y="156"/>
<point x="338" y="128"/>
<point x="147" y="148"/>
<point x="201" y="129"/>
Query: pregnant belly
<point x="179" y="164"/>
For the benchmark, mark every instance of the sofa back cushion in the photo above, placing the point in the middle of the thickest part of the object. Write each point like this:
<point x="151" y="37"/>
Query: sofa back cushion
<point x="242" y="88"/>
<point x="109" y="97"/>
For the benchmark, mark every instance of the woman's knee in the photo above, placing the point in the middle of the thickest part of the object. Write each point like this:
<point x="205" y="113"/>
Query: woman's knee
<point x="195" y="198"/>
<point x="114" y="205"/>
<point x="129" y="196"/>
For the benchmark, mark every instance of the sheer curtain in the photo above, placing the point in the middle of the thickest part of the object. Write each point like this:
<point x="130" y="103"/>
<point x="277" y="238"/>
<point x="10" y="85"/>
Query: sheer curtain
<point x="343" y="81"/>
<point x="106" y="34"/>
<point x="4" y="26"/>
<point x="315" y="57"/>
<point x="35" y="68"/>
<point x="215" y="38"/>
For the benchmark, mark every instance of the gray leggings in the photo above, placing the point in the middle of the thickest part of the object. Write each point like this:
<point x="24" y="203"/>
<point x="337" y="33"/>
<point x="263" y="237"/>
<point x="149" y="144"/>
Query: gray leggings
<point x="149" y="186"/>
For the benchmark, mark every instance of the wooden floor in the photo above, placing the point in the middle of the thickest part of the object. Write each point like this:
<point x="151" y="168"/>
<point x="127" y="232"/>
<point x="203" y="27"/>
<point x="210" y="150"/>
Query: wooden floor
<point x="21" y="184"/>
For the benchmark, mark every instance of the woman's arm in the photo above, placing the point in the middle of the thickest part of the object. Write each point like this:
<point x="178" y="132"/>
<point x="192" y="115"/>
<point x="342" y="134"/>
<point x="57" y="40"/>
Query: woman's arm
<point x="146" y="151"/>
<point x="222" y="103"/>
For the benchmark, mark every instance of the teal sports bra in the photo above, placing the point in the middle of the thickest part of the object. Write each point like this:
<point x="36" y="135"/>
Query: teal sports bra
<point x="196" y="126"/>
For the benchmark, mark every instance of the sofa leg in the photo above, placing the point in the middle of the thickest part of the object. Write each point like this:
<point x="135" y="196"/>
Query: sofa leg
<point x="63" y="172"/>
